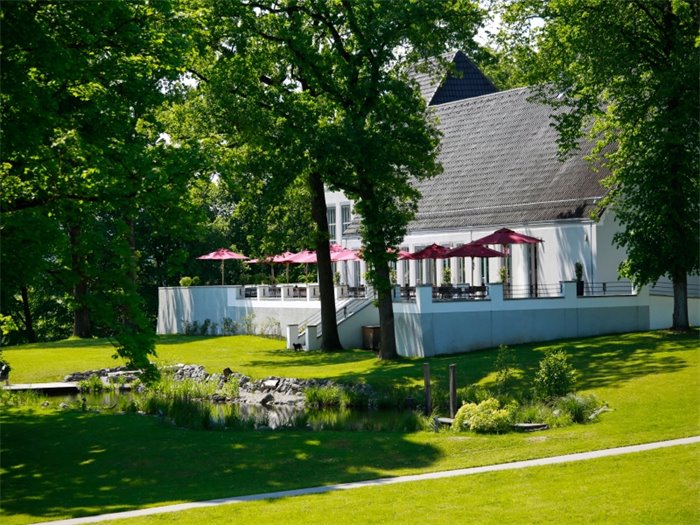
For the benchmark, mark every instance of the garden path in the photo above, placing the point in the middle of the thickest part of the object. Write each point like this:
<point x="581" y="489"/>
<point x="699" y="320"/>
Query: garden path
<point x="382" y="481"/>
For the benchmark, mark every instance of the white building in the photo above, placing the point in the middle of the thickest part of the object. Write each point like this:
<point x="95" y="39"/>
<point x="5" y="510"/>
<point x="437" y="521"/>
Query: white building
<point x="501" y="169"/>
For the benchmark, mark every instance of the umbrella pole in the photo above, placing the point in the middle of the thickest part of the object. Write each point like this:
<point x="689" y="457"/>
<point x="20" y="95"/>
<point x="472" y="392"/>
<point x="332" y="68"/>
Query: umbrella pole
<point x="222" y="272"/>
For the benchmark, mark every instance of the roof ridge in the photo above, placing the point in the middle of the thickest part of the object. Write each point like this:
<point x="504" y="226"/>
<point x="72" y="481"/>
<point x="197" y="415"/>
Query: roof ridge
<point x="482" y="97"/>
<point x="590" y="200"/>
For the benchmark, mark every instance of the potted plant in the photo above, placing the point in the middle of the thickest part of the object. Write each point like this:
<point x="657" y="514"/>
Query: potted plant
<point x="578" y="271"/>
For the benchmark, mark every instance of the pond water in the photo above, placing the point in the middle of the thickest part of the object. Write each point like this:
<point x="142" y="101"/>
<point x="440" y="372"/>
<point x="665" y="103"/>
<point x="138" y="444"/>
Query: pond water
<point x="249" y="416"/>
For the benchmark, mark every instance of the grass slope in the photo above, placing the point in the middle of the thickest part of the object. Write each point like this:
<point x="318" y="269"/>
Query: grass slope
<point x="58" y="464"/>
<point x="622" y="489"/>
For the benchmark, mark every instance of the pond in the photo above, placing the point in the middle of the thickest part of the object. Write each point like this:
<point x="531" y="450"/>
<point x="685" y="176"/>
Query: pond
<point x="196" y="413"/>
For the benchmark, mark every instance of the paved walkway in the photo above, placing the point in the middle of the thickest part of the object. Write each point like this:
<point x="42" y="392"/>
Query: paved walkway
<point x="42" y="387"/>
<point x="382" y="481"/>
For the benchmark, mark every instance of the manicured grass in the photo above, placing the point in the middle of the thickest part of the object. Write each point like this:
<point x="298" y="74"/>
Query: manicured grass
<point x="59" y="464"/>
<point x="623" y="489"/>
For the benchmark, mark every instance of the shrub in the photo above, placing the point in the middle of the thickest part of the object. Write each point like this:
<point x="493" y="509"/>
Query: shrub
<point x="555" y="377"/>
<point x="229" y="326"/>
<point x="91" y="384"/>
<point x="270" y="327"/>
<point x="204" y="328"/>
<point x="189" y="281"/>
<point x="533" y="413"/>
<point x="473" y="394"/>
<point x="486" y="417"/>
<point x="505" y="369"/>
<point x="327" y="397"/>
<point x="190" y="327"/>
<point x="579" y="408"/>
<point x="248" y="324"/>
<point x="230" y="389"/>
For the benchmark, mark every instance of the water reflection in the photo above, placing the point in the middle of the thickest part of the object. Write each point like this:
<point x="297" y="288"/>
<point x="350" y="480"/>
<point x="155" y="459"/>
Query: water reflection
<point x="253" y="416"/>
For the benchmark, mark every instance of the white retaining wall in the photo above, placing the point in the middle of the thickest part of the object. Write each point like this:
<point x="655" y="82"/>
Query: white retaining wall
<point x="426" y="328"/>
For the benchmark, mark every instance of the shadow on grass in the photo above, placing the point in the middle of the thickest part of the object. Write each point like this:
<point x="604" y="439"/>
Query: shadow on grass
<point x="59" y="464"/>
<point x="612" y="361"/>
<point x="601" y="362"/>
<point x="71" y="342"/>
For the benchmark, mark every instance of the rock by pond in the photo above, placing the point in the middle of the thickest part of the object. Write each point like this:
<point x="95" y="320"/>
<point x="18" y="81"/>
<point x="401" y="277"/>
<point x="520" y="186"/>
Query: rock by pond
<point x="271" y="402"/>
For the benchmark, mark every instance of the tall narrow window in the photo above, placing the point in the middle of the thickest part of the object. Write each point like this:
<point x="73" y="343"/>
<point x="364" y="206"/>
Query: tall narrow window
<point x="345" y="217"/>
<point x="331" y="224"/>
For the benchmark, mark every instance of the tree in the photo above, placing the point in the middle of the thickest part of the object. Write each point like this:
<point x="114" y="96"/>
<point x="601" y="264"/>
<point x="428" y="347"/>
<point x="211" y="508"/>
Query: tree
<point x="81" y="83"/>
<point x="322" y="87"/>
<point x="627" y="71"/>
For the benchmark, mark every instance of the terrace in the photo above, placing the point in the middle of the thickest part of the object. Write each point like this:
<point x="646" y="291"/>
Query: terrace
<point x="429" y="319"/>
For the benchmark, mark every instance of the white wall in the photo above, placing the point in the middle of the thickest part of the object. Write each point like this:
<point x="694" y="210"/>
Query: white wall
<point x="607" y="256"/>
<point x="425" y="328"/>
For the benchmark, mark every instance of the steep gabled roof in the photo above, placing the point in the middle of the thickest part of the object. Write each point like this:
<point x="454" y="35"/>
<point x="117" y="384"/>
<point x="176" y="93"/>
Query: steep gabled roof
<point x="469" y="82"/>
<point x="499" y="154"/>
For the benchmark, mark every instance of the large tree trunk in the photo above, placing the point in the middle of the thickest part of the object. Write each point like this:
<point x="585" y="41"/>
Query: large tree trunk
<point x="680" y="302"/>
<point x="28" y="320"/>
<point x="81" y="314"/>
<point x="329" y="329"/>
<point x="387" y="336"/>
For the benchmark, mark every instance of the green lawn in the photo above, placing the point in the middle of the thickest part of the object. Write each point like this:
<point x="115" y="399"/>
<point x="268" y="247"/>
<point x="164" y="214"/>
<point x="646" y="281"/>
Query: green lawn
<point x="58" y="464"/>
<point x="623" y="489"/>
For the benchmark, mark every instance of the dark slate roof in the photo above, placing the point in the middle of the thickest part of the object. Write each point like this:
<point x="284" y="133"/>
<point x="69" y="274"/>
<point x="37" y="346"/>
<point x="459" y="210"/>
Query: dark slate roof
<point x="499" y="155"/>
<point x="469" y="82"/>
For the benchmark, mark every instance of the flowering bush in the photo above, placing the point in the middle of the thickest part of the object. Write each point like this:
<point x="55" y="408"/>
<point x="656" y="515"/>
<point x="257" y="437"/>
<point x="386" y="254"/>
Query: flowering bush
<point x="486" y="417"/>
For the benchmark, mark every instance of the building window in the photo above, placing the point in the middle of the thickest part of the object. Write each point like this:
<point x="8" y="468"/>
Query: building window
<point x="331" y="223"/>
<point x="345" y="216"/>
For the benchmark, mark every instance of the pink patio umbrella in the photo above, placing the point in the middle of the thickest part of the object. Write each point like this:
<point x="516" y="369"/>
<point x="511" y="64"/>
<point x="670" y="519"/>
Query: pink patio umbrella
<point x="506" y="236"/>
<point x="282" y="258"/>
<point x="221" y="255"/>
<point x="434" y="251"/>
<point x="303" y="257"/>
<point x="346" y="254"/>
<point x="473" y="250"/>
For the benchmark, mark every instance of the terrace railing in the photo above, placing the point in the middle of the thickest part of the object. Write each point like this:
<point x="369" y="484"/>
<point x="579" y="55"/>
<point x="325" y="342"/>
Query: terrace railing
<point x="665" y="289"/>
<point x="592" y="289"/>
<point x="346" y="308"/>
<point x="532" y="291"/>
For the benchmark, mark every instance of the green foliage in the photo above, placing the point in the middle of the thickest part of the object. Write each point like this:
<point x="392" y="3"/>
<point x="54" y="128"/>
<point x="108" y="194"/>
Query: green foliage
<point x="92" y="384"/>
<point x="555" y="377"/>
<point x="473" y="394"/>
<point x="333" y="396"/>
<point x="248" y="324"/>
<point x="503" y="274"/>
<point x="486" y="417"/>
<point x="196" y="328"/>
<point x="446" y="275"/>
<point x="580" y="408"/>
<point x="229" y="326"/>
<point x="190" y="327"/>
<point x="98" y="204"/>
<point x="624" y="75"/>
<point x="189" y="281"/>
<point x="308" y="100"/>
<point x="505" y="373"/>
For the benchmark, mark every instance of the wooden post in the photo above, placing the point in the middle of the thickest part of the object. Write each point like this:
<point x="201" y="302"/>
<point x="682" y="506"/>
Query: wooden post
<point x="453" y="390"/>
<point x="428" y="394"/>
